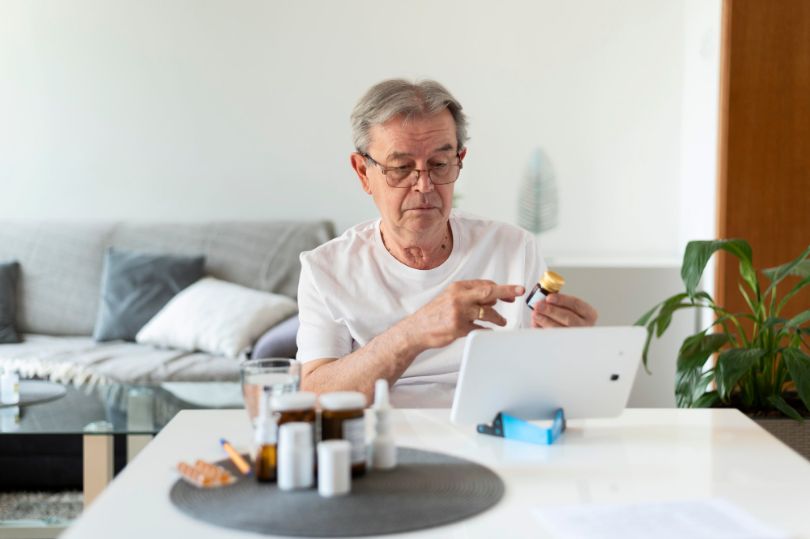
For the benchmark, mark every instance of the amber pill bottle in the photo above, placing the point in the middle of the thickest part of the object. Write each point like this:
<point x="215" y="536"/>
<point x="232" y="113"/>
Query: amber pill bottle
<point x="343" y="418"/>
<point x="549" y="283"/>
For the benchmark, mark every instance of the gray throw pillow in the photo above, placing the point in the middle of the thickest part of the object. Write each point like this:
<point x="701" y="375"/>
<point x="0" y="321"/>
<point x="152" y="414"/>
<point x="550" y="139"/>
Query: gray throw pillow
<point x="135" y="286"/>
<point x="9" y="275"/>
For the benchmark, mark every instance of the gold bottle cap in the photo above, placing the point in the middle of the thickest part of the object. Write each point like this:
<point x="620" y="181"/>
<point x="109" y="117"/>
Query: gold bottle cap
<point x="551" y="281"/>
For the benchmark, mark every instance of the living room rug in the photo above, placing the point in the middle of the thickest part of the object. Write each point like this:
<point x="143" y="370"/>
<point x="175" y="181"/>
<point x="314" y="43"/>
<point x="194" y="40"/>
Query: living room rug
<point x="46" y="506"/>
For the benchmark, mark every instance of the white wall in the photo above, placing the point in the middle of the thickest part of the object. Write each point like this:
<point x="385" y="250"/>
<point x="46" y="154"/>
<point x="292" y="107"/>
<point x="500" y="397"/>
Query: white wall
<point x="194" y="109"/>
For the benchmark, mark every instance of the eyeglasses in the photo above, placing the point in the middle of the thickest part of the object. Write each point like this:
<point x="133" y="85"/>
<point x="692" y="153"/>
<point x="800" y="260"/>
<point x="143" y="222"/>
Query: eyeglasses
<point x="440" y="172"/>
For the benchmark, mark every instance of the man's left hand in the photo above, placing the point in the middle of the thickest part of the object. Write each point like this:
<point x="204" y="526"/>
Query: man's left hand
<point x="560" y="311"/>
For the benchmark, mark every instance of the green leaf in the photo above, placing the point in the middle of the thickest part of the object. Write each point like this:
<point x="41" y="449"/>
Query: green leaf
<point x="781" y="404"/>
<point x="646" y="317"/>
<point x="696" y="349"/>
<point x="734" y="364"/>
<point x="685" y="382"/>
<point x="801" y="284"/>
<point x="798" y="266"/>
<point x="747" y="298"/>
<point x="707" y="400"/>
<point x="667" y="309"/>
<point x="773" y="321"/>
<point x="798" y="365"/>
<point x="799" y="319"/>
<point x="690" y="385"/>
<point x="698" y="253"/>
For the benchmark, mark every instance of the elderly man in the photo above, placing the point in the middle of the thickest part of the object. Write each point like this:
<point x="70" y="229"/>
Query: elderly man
<point x="391" y="298"/>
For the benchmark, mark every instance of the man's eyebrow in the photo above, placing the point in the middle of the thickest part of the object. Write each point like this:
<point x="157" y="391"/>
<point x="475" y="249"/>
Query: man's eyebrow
<point x="401" y="155"/>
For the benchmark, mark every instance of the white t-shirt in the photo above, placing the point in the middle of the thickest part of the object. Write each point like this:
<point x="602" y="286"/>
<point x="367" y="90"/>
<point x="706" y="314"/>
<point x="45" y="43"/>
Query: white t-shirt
<point x="352" y="289"/>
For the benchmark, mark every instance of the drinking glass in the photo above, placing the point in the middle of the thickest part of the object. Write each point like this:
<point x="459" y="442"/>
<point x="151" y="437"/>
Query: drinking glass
<point x="265" y="378"/>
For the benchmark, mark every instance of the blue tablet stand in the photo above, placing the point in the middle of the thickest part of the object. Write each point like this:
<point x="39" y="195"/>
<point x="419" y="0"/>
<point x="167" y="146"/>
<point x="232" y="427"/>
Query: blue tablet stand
<point x="514" y="428"/>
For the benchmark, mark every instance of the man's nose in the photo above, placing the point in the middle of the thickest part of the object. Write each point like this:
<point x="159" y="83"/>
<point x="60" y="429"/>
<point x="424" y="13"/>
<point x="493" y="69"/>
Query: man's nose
<point x="423" y="183"/>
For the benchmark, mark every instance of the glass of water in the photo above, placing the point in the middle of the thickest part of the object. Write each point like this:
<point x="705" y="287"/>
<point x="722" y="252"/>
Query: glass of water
<point x="263" y="378"/>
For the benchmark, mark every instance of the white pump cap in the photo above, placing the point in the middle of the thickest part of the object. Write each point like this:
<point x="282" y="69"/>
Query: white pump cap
<point x="381" y="394"/>
<point x="383" y="449"/>
<point x="266" y="427"/>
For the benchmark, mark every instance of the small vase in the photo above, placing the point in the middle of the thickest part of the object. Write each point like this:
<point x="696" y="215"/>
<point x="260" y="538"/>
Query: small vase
<point x="537" y="202"/>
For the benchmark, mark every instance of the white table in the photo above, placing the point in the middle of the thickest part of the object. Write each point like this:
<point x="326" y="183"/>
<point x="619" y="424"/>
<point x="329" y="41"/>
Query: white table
<point x="644" y="455"/>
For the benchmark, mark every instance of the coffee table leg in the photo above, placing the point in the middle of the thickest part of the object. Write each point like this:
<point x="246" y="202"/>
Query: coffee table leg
<point x="135" y="443"/>
<point x="98" y="465"/>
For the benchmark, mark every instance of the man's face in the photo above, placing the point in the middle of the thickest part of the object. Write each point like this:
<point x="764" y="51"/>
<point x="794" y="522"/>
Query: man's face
<point x="421" y="142"/>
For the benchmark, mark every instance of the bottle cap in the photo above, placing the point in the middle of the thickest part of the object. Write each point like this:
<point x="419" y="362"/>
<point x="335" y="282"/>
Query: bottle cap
<point x="343" y="400"/>
<point x="334" y="468"/>
<point x="551" y="281"/>
<point x="296" y="435"/>
<point x="381" y="394"/>
<point x="300" y="400"/>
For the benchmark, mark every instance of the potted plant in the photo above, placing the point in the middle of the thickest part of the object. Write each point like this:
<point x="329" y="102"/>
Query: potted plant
<point x="762" y="365"/>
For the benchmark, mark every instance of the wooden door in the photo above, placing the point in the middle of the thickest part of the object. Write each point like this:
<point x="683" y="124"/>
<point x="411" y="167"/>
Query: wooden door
<point x="764" y="139"/>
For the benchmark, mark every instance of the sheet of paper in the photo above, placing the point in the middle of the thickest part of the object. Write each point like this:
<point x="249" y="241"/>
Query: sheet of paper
<point x="695" y="519"/>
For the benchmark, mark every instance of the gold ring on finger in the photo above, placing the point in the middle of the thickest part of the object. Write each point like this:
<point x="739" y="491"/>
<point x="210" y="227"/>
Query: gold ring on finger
<point x="480" y="312"/>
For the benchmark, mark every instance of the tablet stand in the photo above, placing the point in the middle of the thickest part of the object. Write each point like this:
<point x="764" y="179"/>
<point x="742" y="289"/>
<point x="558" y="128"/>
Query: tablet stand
<point x="514" y="428"/>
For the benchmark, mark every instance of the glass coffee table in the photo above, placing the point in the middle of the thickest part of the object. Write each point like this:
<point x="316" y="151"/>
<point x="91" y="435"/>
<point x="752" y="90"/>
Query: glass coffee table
<point x="98" y="413"/>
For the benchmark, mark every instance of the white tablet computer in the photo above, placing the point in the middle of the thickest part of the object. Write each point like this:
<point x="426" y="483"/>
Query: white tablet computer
<point x="588" y="372"/>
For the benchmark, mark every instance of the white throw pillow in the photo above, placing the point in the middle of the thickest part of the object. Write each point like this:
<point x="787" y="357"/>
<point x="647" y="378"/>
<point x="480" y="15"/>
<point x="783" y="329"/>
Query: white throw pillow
<point x="217" y="317"/>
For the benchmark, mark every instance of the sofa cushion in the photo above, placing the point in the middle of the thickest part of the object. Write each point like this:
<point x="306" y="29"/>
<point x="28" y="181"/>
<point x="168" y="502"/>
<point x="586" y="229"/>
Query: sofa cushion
<point x="135" y="286"/>
<point x="9" y="273"/>
<point x="278" y="341"/>
<point x="217" y="317"/>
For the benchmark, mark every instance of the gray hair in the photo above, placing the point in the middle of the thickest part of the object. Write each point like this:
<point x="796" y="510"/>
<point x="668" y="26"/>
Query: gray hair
<point x="395" y="97"/>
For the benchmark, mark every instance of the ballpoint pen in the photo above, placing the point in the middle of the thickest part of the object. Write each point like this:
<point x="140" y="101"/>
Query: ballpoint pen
<point x="235" y="457"/>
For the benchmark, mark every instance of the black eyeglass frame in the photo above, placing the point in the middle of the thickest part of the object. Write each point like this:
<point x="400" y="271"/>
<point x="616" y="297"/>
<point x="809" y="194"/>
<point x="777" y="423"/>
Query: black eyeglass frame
<point x="419" y="171"/>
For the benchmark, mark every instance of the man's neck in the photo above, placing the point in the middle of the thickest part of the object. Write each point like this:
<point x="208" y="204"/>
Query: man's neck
<point x="425" y="251"/>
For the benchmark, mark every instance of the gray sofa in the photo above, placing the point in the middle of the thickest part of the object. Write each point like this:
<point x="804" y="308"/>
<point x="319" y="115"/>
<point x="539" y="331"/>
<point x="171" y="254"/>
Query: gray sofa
<point x="59" y="288"/>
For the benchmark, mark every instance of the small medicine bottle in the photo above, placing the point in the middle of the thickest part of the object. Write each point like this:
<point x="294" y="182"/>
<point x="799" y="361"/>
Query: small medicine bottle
<point x="549" y="283"/>
<point x="9" y="387"/>
<point x="295" y="456"/>
<point x="343" y="418"/>
<point x="265" y="462"/>
<point x="298" y="407"/>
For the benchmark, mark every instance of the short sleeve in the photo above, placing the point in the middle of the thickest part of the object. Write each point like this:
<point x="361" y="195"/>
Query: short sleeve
<point x="535" y="266"/>
<point x="320" y="336"/>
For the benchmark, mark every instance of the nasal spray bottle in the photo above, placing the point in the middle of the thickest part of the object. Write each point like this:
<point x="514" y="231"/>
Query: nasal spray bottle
<point x="266" y="442"/>
<point x="383" y="449"/>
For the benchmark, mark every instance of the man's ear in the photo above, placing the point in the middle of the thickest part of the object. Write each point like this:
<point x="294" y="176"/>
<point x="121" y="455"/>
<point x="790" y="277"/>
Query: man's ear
<point x="462" y="154"/>
<point x="361" y="169"/>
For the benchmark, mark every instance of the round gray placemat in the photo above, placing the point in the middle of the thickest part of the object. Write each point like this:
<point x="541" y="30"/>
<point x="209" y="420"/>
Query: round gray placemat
<point x="426" y="489"/>
<point x="36" y="391"/>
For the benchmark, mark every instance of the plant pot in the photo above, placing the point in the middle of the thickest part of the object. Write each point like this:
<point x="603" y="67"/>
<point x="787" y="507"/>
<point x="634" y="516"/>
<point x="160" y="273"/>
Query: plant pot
<point x="792" y="433"/>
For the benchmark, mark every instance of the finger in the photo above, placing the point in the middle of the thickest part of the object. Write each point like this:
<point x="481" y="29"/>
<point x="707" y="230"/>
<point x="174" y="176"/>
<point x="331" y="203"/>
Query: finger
<point x="575" y="304"/>
<point x="488" y="314"/>
<point x="541" y="321"/>
<point x="561" y="315"/>
<point x="489" y="292"/>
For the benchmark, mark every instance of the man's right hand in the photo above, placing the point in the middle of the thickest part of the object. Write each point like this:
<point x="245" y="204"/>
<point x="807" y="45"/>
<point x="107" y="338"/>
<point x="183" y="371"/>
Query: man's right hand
<point x="454" y="312"/>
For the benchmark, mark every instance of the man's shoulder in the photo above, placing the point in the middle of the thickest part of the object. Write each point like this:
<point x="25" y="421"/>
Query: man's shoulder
<point x="480" y="227"/>
<point x="352" y="242"/>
